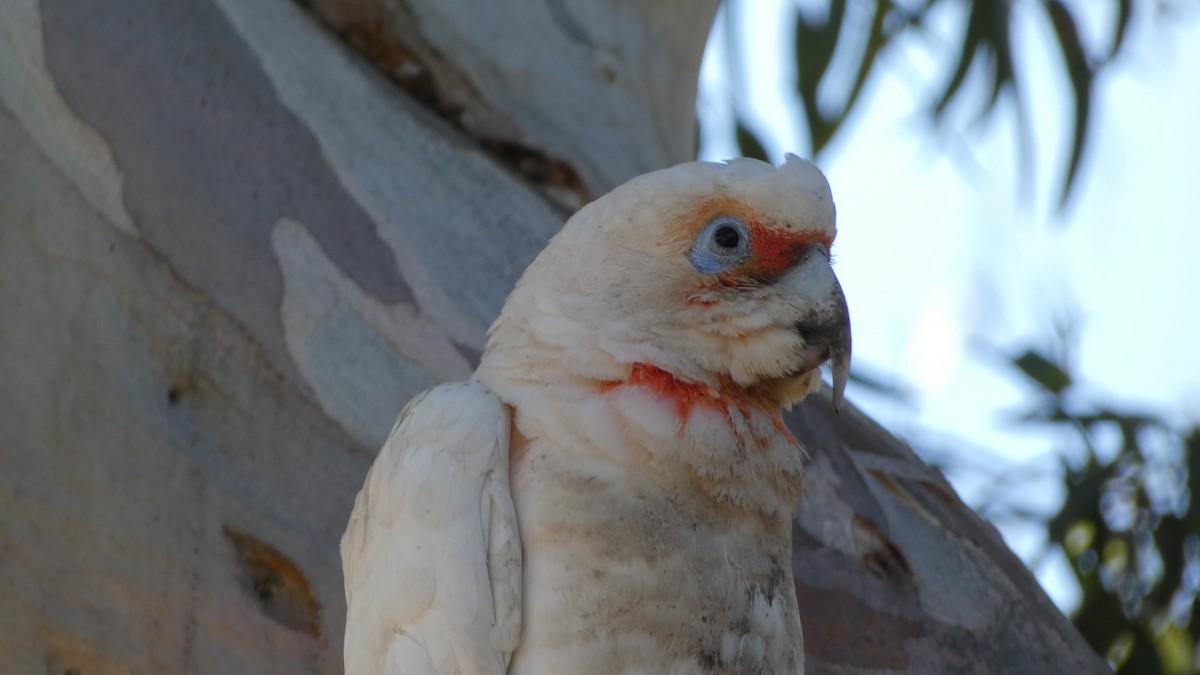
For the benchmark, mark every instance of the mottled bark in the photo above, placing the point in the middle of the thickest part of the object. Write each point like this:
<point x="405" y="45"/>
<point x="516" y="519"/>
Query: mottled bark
<point x="230" y="250"/>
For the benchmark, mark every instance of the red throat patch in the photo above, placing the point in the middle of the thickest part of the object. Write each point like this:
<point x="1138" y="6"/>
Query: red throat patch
<point x="728" y="399"/>
<point x="685" y="395"/>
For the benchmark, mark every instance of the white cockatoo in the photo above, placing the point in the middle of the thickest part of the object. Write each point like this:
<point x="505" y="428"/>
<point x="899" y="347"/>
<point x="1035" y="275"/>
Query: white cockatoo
<point x="612" y="491"/>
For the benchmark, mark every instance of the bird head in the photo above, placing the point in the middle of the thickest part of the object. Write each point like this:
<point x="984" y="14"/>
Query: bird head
<point x="717" y="274"/>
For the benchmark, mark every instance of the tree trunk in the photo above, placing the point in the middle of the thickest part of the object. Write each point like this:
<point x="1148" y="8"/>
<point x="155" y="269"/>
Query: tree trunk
<point x="230" y="250"/>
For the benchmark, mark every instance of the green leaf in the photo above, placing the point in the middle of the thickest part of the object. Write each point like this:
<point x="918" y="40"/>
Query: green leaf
<point x="986" y="34"/>
<point x="816" y="43"/>
<point x="748" y="143"/>
<point x="1082" y="504"/>
<point x="1121" y="27"/>
<point x="1048" y="375"/>
<point x="1191" y="516"/>
<point x="1081" y="74"/>
<point x="876" y="40"/>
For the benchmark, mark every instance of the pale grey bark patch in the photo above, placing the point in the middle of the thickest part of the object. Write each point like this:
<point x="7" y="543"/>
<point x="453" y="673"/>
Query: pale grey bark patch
<point x="211" y="158"/>
<point x="113" y="497"/>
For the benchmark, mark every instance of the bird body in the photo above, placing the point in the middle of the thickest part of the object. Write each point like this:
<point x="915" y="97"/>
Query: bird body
<point x="612" y="492"/>
<point x="637" y="559"/>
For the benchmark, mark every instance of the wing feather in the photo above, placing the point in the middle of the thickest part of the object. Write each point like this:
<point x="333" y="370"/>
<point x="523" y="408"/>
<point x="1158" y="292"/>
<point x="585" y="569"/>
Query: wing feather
<point x="432" y="553"/>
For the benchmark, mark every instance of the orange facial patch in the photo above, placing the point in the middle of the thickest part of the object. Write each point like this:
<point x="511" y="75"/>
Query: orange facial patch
<point x="775" y="251"/>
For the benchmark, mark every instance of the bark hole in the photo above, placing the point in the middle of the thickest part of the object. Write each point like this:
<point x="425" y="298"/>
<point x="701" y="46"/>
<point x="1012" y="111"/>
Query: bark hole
<point x="276" y="584"/>
<point x="878" y="553"/>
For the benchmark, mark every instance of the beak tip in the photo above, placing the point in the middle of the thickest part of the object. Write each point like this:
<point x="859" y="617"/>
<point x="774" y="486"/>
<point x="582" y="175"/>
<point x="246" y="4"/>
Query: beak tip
<point x="825" y="325"/>
<point x="841" y="375"/>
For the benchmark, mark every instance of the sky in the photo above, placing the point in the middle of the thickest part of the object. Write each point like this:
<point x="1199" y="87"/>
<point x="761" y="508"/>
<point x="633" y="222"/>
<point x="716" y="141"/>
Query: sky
<point x="951" y="253"/>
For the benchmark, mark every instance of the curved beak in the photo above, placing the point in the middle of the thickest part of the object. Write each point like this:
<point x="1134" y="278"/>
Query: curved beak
<point x="825" y="324"/>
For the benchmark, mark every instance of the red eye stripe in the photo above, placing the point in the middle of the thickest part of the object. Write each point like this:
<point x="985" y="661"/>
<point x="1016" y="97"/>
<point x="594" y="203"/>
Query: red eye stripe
<point x="775" y="251"/>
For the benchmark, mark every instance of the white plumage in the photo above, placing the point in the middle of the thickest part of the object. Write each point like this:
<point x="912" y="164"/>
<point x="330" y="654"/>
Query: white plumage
<point x="432" y="557"/>
<point x="612" y="492"/>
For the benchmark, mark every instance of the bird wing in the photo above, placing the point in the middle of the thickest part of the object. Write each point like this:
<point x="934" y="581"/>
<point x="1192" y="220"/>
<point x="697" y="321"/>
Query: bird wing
<point x="432" y="554"/>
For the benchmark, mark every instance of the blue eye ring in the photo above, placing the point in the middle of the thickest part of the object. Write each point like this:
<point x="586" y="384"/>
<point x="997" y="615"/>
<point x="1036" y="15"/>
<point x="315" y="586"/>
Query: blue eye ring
<point x="723" y="244"/>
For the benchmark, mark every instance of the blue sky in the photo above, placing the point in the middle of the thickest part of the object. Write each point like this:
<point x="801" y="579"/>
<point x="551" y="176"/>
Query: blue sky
<point x="944" y="254"/>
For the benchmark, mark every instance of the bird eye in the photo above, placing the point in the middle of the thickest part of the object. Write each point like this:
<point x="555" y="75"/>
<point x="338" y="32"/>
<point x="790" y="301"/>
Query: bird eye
<point x="726" y="237"/>
<point x="723" y="244"/>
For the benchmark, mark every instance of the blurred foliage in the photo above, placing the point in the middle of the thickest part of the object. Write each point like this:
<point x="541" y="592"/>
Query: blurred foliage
<point x="1130" y="522"/>
<point x="1129" y="525"/>
<point x="838" y="45"/>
